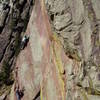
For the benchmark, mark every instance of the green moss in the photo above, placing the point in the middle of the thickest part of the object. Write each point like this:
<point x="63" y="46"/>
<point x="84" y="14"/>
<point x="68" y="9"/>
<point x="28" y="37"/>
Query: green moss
<point x="17" y="44"/>
<point x="90" y="82"/>
<point x="5" y="74"/>
<point x="6" y="78"/>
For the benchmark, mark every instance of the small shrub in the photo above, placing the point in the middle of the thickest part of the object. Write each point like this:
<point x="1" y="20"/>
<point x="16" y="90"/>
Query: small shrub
<point x="5" y="74"/>
<point x="17" y="44"/>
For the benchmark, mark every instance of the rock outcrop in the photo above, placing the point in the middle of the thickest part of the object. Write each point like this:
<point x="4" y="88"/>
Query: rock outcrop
<point x="77" y="24"/>
<point x="62" y="58"/>
<point x="14" y="16"/>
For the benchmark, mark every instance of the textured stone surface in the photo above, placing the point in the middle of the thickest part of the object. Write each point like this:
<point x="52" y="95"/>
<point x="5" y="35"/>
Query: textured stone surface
<point x="45" y="71"/>
<point x="96" y="7"/>
<point x="62" y="21"/>
<point x="80" y="38"/>
<point x="3" y="15"/>
<point x="11" y="26"/>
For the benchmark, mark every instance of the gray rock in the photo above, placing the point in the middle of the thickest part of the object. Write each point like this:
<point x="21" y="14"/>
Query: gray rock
<point x="93" y="97"/>
<point x="62" y="21"/>
<point x="21" y="2"/>
<point x="3" y="15"/>
<point x="25" y="12"/>
<point x="96" y="7"/>
<point x="77" y="10"/>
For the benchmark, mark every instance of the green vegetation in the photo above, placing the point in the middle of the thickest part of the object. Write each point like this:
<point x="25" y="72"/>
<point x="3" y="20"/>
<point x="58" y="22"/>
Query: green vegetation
<point x="4" y="89"/>
<point x="6" y="79"/>
<point x="17" y="44"/>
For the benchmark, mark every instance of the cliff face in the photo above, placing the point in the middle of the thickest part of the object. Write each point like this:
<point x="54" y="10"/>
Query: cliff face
<point x="14" y="16"/>
<point x="62" y="58"/>
<point x="77" y="24"/>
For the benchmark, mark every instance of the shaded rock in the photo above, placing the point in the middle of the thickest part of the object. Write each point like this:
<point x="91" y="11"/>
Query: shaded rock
<point x="86" y="33"/>
<point x="3" y="15"/>
<point x="21" y="24"/>
<point x="62" y="21"/>
<point x="25" y="12"/>
<point x="77" y="10"/>
<point x="91" y="97"/>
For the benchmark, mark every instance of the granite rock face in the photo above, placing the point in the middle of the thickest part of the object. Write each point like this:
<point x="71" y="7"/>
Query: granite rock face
<point x="12" y="25"/>
<point x="80" y="36"/>
<point x="62" y="58"/>
<point x="78" y="23"/>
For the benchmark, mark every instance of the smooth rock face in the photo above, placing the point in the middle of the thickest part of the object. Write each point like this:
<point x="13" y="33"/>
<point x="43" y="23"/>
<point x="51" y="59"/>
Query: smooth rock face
<point x="77" y="10"/>
<point x="21" y="2"/>
<point x="11" y="26"/>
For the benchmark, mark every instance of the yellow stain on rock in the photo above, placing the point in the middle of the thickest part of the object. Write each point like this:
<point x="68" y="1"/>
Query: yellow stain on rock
<point x="57" y="50"/>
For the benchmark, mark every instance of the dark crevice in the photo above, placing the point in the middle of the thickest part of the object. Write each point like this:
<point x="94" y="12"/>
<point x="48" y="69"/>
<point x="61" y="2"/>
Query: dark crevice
<point x="1" y="28"/>
<point x="37" y="96"/>
<point x="65" y="26"/>
<point x="57" y="13"/>
<point x="22" y="6"/>
<point x="14" y="29"/>
<point x="52" y="17"/>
